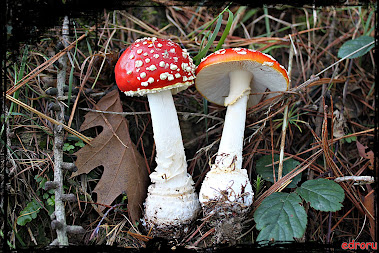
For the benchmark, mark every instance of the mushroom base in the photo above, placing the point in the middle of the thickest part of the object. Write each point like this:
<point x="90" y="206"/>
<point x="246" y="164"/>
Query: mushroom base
<point x="168" y="232"/>
<point x="231" y="187"/>
<point x="226" y="198"/>
<point x="228" y="224"/>
<point x="170" y="215"/>
<point x="226" y="217"/>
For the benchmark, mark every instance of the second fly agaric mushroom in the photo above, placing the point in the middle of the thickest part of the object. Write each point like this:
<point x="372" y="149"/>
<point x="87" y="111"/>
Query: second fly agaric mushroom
<point x="228" y="77"/>
<point x="158" y="67"/>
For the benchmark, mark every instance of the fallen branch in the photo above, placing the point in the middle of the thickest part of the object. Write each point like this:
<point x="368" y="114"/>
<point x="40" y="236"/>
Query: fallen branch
<point x="59" y="223"/>
<point x="358" y="180"/>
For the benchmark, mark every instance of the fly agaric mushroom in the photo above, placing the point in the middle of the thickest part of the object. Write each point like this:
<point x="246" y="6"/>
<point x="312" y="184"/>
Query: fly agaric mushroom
<point x="159" y="67"/>
<point x="227" y="77"/>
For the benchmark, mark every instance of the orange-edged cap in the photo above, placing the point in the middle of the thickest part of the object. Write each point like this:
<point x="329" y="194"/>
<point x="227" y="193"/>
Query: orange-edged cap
<point x="212" y="74"/>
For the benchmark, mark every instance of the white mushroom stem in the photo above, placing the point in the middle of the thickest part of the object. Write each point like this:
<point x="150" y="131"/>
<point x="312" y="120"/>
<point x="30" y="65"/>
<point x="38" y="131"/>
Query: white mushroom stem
<point x="170" y="158"/>
<point x="229" y="155"/>
<point x="226" y="175"/>
<point x="171" y="198"/>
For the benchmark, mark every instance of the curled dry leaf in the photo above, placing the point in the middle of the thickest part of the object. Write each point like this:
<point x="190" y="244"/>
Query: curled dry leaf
<point x="339" y="123"/>
<point x="124" y="167"/>
<point x="368" y="155"/>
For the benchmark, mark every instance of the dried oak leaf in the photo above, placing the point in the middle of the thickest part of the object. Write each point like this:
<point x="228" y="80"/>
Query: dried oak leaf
<point x="124" y="168"/>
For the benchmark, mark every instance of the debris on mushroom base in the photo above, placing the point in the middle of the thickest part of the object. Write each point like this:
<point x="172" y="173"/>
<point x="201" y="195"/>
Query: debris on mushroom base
<point x="228" y="77"/>
<point x="159" y="68"/>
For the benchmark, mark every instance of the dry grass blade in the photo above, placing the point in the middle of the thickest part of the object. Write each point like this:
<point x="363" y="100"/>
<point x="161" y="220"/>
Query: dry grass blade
<point x="68" y="129"/>
<point x="143" y="238"/>
<point x="210" y="231"/>
<point x="134" y="30"/>
<point x="46" y="64"/>
<point x="140" y="23"/>
<point x="84" y="81"/>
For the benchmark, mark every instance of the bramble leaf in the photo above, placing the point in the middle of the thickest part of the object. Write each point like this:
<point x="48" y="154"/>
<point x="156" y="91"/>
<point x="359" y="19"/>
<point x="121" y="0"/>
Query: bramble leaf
<point x="322" y="194"/>
<point x="29" y="213"/>
<point x="267" y="173"/>
<point x="281" y="217"/>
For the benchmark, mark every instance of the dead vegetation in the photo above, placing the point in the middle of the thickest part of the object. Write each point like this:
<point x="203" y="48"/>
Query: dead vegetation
<point x="330" y="131"/>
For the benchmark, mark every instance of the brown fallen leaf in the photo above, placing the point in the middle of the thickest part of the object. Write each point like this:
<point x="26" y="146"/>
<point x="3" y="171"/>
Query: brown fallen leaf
<point x="124" y="168"/>
<point x="369" y="203"/>
<point x="362" y="152"/>
<point x="339" y="123"/>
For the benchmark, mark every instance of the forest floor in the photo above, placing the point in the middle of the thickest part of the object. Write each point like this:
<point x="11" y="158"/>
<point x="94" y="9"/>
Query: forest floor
<point x="330" y="130"/>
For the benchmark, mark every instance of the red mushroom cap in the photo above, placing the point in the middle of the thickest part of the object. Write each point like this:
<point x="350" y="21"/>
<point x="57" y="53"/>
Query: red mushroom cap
<point x="212" y="74"/>
<point x="152" y="64"/>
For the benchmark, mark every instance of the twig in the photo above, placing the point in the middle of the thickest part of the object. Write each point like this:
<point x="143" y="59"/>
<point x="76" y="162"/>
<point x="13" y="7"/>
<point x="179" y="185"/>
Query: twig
<point x="347" y="56"/>
<point x="283" y="141"/>
<point x="60" y="214"/>
<point x="84" y="81"/>
<point x="285" y="117"/>
<point x="358" y="180"/>
<point x="142" y="113"/>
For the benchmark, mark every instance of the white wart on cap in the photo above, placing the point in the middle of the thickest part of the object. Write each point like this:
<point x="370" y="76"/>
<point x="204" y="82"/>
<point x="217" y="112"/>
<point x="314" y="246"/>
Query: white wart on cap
<point x="151" y="64"/>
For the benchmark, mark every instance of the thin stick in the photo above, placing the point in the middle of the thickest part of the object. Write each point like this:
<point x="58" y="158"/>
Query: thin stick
<point x="205" y="235"/>
<point x="285" y="118"/>
<point x="60" y="213"/>
<point x="283" y="141"/>
<point x="89" y="70"/>
<point x="357" y="179"/>
<point x="347" y="56"/>
<point x="142" y="113"/>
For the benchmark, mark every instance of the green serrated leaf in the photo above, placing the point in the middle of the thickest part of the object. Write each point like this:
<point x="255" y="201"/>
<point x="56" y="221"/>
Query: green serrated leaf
<point x="352" y="45"/>
<point x="51" y="201"/>
<point x="267" y="173"/>
<point x="322" y="194"/>
<point x="42" y="183"/>
<point x="281" y="217"/>
<point x="29" y="213"/>
<point x="80" y="144"/>
<point x="38" y="178"/>
<point x="350" y="139"/>
<point x="67" y="147"/>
